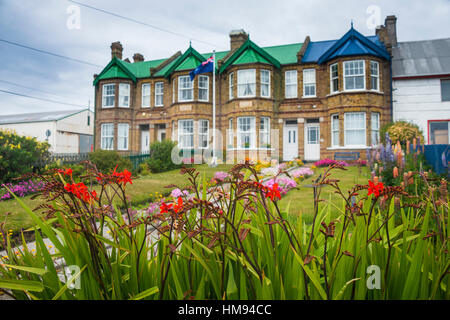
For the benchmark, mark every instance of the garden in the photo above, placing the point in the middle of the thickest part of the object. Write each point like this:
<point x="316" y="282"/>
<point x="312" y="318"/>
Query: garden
<point x="332" y="230"/>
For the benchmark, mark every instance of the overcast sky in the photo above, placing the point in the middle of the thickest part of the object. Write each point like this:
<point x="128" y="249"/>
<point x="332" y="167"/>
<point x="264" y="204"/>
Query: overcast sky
<point x="43" y="24"/>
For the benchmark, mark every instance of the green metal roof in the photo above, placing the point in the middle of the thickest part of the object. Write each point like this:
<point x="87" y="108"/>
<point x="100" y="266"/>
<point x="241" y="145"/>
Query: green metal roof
<point x="249" y="52"/>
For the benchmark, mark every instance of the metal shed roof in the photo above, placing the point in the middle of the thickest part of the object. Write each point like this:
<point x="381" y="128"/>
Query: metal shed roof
<point x="38" y="117"/>
<point x="421" y="58"/>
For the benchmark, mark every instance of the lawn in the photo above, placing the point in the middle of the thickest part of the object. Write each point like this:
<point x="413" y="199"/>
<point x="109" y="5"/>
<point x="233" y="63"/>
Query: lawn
<point x="141" y="191"/>
<point x="301" y="201"/>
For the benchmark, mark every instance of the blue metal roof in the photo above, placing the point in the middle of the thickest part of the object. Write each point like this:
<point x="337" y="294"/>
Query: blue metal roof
<point x="352" y="43"/>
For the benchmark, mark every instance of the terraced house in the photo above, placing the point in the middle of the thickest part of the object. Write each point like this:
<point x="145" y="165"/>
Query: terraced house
<point x="305" y="100"/>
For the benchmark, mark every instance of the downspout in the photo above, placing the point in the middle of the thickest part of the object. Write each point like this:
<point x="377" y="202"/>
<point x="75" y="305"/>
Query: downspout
<point x="392" y="93"/>
<point x="95" y="116"/>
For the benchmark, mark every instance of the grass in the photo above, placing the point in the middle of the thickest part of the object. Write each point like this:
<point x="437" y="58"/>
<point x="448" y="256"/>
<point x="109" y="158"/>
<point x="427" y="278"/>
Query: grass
<point x="301" y="201"/>
<point x="141" y="191"/>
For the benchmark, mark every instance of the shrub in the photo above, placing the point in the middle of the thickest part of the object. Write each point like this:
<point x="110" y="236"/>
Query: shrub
<point x="235" y="245"/>
<point x="107" y="160"/>
<point x="161" y="156"/>
<point x="18" y="154"/>
<point x="401" y="131"/>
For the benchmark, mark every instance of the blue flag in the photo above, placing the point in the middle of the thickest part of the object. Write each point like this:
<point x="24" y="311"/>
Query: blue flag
<point x="205" y="67"/>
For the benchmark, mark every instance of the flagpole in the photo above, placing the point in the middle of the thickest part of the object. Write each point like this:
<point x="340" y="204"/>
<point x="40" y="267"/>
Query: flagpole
<point x="214" y="158"/>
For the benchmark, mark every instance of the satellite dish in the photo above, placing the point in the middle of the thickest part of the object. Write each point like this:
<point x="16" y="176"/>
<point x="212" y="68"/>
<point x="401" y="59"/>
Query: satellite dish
<point x="48" y="133"/>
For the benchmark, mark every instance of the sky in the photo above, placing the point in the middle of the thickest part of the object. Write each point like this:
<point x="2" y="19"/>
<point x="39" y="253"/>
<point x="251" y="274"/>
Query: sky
<point x="73" y="30"/>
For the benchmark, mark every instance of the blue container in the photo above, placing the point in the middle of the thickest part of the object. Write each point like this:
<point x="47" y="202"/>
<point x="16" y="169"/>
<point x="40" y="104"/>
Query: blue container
<point x="438" y="156"/>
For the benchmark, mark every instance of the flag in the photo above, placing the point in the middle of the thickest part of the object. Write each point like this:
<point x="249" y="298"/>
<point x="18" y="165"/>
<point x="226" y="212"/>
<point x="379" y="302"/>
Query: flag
<point x="206" y="66"/>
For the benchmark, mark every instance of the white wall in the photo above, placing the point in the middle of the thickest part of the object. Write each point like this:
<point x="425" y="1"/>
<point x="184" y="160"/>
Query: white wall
<point x="419" y="100"/>
<point x="36" y="130"/>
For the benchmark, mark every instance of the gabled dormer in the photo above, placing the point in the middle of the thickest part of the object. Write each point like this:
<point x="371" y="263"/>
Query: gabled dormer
<point x="116" y="68"/>
<point x="189" y="60"/>
<point x="354" y="43"/>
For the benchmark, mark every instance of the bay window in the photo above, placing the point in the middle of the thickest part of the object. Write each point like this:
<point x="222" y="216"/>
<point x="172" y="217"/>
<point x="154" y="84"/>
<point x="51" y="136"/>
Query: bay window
<point x="159" y="94"/>
<point x="231" y="85"/>
<point x="122" y="136"/>
<point x="264" y="132"/>
<point x="374" y="76"/>
<point x="124" y="95"/>
<point x="354" y="75"/>
<point x="265" y="83"/>
<point x="146" y="95"/>
<point x="109" y="93"/>
<point x="203" y="88"/>
<point x="185" y="89"/>
<point x="309" y="83"/>
<point x="203" y="134"/>
<point x="186" y="134"/>
<point x="335" y="130"/>
<point x="375" y="128"/>
<point x="355" y="129"/>
<point x="290" y="86"/>
<point x="230" y="133"/>
<point x="334" y="78"/>
<point x="246" y="83"/>
<point x="107" y="136"/>
<point x="246" y="133"/>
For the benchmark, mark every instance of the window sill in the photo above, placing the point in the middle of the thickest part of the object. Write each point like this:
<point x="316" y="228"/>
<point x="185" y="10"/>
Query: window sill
<point x="348" y="147"/>
<point x="354" y="91"/>
<point x="250" y="149"/>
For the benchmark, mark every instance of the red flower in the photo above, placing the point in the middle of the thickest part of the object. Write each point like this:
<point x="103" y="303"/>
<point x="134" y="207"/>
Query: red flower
<point x="122" y="177"/>
<point x="274" y="192"/>
<point x="178" y="206"/>
<point x="81" y="191"/>
<point x="375" y="189"/>
<point x="165" y="207"/>
<point x="67" y="172"/>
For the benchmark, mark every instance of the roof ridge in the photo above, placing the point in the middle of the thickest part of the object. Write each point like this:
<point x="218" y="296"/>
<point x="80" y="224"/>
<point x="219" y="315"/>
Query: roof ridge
<point x="438" y="39"/>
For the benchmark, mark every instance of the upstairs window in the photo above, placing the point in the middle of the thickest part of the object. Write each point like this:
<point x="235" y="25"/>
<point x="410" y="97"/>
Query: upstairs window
<point x="203" y="132"/>
<point x="445" y="89"/>
<point x="109" y="93"/>
<point x="124" y="95"/>
<point x="159" y="94"/>
<point x="334" y="78"/>
<point x="246" y="83"/>
<point x="290" y="87"/>
<point x="265" y="83"/>
<point x="203" y="88"/>
<point x="354" y="75"/>
<point x="185" y="89"/>
<point x="186" y="134"/>
<point x="107" y="136"/>
<point x="231" y="85"/>
<point x="146" y="95"/>
<point x="309" y="83"/>
<point x="122" y="136"/>
<point x="374" y="76"/>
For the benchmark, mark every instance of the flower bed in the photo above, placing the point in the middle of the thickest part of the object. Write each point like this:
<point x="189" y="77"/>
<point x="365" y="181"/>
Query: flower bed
<point x="20" y="189"/>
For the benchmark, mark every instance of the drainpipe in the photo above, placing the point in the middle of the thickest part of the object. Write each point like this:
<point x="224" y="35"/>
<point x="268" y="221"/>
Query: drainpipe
<point x="95" y="117"/>
<point x="392" y="93"/>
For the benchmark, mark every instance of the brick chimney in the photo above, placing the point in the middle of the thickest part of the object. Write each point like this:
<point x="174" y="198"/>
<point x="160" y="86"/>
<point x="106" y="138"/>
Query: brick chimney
<point x="237" y="38"/>
<point x="116" y="50"/>
<point x="391" y="27"/>
<point x="137" y="57"/>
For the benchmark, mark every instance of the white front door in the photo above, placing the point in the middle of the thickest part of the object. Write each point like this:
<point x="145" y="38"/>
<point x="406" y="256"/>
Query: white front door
<point x="290" y="142"/>
<point x="312" y="141"/>
<point x="145" y="141"/>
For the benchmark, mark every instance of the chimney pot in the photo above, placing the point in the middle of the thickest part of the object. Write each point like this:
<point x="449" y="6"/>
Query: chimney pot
<point x="116" y="50"/>
<point x="137" y="57"/>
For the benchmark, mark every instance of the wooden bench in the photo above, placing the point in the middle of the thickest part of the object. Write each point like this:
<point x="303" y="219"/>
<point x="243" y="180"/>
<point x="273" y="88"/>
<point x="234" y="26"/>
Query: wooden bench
<point x="346" y="156"/>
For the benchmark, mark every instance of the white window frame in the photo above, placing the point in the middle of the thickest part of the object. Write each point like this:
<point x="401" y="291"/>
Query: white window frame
<point x="125" y="87"/>
<point x="377" y="75"/>
<point x="181" y="89"/>
<point x="143" y="95"/>
<point x="173" y="89"/>
<point x="363" y="75"/>
<point x="309" y="73"/>
<point x="289" y="84"/>
<point x="201" y="135"/>
<point x="125" y="137"/>
<point x="103" y="144"/>
<point x="375" y="127"/>
<point x="333" y="78"/>
<point x="334" y="130"/>
<point x="251" y="132"/>
<point x="264" y="132"/>
<point x="356" y="146"/>
<point x="241" y="85"/>
<point x="231" y="86"/>
<point x="205" y="88"/>
<point x="105" y="95"/>
<point x="265" y="84"/>
<point x="182" y="133"/>
<point x="230" y="133"/>
<point x="159" y="93"/>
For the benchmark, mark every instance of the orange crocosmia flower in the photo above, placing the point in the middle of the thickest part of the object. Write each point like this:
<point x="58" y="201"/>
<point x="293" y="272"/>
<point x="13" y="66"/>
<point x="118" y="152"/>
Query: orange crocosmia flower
<point x="274" y="192"/>
<point x="179" y="205"/>
<point x="165" y="207"/>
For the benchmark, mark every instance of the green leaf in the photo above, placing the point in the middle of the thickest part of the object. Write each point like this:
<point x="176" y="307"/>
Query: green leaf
<point x="146" y="293"/>
<point x="38" y="271"/>
<point x="24" y="285"/>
